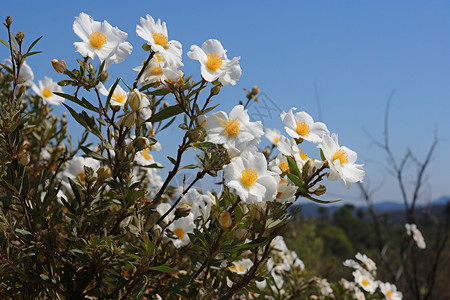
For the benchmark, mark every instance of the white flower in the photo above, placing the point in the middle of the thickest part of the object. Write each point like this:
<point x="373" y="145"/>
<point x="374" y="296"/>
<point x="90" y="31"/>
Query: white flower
<point x="26" y="75"/>
<point x="215" y="63"/>
<point x="341" y="161"/>
<point x="75" y="169"/>
<point x="181" y="227"/>
<point x="390" y="291"/>
<point x="289" y="147"/>
<point x="352" y="264"/>
<point x="46" y="90"/>
<point x="285" y="191"/>
<point x="273" y="135"/>
<point x="248" y="176"/>
<point x="241" y="266"/>
<point x="359" y="295"/>
<point x="158" y="69"/>
<point x="235" y="131"/>
<point x="162" y="208"/>
<point x="199" y="204"/>
<point x="324" y="287"/>
<point x="119" y="96"/>
<point x="412" y="230"/>
<point x="100" y="39"/>
<point x="157" y="37"/>
<point x="367" y="262"/>
<point x="365" y="280"/>
<point x="302" y="125"/>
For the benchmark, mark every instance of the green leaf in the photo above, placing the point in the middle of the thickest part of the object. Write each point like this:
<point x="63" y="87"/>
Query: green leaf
<point x="3" y="113"/>
<point x="29" y="54"/>
<point x="295" y="179"/>
<point x="34" y="43"/>
<point x="321" y="201"/>
<point x="66" y="204"/>
<point x="165" y="113"/>
<point x="147" y="86"/>
<point x="26" y="234"/>
<point x="168" y="124"/>
<point x="293" y="166"/>
<point x="164" y="268"/>
<point x="84" y="103"/>
<point x="160" y="92"/>
<point x="4" y="43"/>
<point x="322" y="156"/>
<point x="207" y="145"/>
<point x="111" y="92"/>
<point x="92" y="154"/>
<point x="172" y="160"/>
<point x="255" y="243"/>
<point x="76" y="116"/>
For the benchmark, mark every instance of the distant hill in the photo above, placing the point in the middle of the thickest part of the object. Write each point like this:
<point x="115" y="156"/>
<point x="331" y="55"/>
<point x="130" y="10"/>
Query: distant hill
<point x="393" y="209"/>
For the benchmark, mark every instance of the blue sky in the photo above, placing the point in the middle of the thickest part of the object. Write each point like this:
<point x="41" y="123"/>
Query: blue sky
<point x="352" y="54"/>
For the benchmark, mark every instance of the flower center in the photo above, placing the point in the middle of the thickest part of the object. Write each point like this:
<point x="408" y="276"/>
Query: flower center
<point x="249" y="177"/>
<point x="389" y="294"/>
<point x="365" y="282"/>
<point x="159" y="58"/>
<point x="276" y="140"/>
<point x="303" y="156"/>
<point x="179" y="232"/>
<point x="240" y="268"/>
<point x="147" y="156"/>
<point x="156" y="70"/>
<point x="119" y="97"/>
<point x="214" y="62"/>
<point x="47" y="93"/>
<point x="341" y="155"/>
<point x="302" y="129"/>
<point x="284" y="167"/>
<point x="82" y="177"/>
<point x="98" y="40"/>
<point x="160" y="39"/>
<point x="232" y="127"/>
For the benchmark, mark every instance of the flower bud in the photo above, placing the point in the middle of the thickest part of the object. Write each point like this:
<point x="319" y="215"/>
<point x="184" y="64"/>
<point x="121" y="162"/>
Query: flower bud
<point x="320" y="190"/>
<point x="104" y="76"/>
<point x="59" y="65"/>
<point x="215" y="90"/>
<point x="20" y="36"/>
<point x="136" y="100"/>
<point x="182" y="211"/>
<point x="116" y="108"/>
<point x="141" y="143"/>
<point x="128" y="120"/>
<point x="255" y="90"/>
<point x="103" y="173"/>
<point x="24" y="158"/>
<point x="8" y="20"/>
<point x="225" y="220"/>
<point x="201" y="120"/>
<point x="166" y="104"/>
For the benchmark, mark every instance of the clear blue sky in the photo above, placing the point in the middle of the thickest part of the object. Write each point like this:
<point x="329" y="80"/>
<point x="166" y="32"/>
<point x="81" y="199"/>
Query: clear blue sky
<point x="355" y="52"/>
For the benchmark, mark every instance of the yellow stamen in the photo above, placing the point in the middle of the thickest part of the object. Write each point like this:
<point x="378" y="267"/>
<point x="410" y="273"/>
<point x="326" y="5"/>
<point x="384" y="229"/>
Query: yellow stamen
<point x="98" y="40"/>
<point x="232" y="127"/>
<point x="147" y="156"/>
<point x="82" y="177"/>
<point x="119" y="97"/>
<point x="302" y="129"/>
<point x="179" y="232"/>
<point x="282" y="181"/>
<point x="303" y="156"/>
<point x="46" y="92"/>
<point x="365" y="282"/>
<point x="279" y="194"/>
<point x="240" y="268"/>
<point x="214" y="62"/>
<point x="284" y="167"/>
<point x="341" y="155"/>
<point x="156" y="70"/>
<point x="389" y="294"/>
<point x="159" y="58"/>
<point x="160" y="39"/>
<point x="249" y="177"/>
<point x="276" y="140"/>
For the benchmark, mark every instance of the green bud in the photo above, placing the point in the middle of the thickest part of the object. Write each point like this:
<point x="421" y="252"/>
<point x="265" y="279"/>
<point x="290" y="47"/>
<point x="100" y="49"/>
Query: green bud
<point x="215" y="90"/>
<point x="24" y="158"/>
<point x="20" y="36"/>
<point x="320" y="190"/>
<point x="8" y="20"/>
<point x="104" y="76"/>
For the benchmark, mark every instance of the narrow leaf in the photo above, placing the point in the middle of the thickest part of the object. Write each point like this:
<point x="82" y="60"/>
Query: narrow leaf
<point x="165" y="113"/>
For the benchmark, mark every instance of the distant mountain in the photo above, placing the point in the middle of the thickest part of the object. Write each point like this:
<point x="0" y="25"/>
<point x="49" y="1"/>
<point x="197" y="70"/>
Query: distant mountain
<point x="310" y="209"/>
